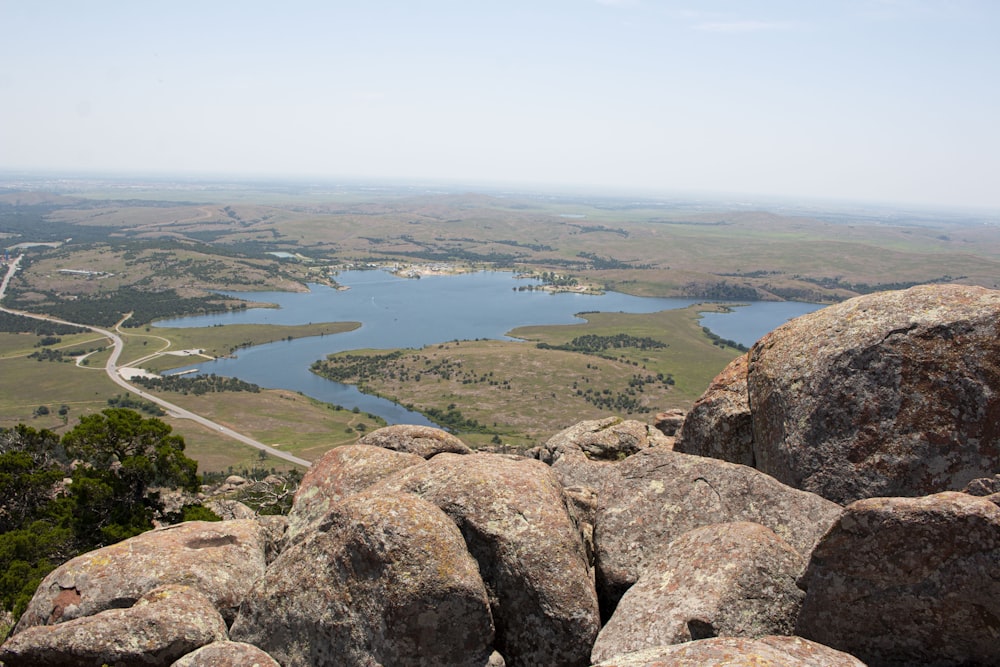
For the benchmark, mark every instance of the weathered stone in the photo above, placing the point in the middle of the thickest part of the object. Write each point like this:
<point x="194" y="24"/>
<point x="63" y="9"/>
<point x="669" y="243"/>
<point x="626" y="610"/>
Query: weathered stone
<point x="229" y="510"/>
<point x="738" y="652"/>
<point x="726" y="579"/>
<point x="908" y="581"/>
<point x="669" y="422"/>
<point x="383" y="579"/>
<point x="889" y="394"/>
<point x="274" y="532"/>
<point x="341" y="472"/>
<point x="221" y="559"/>
<point x="227" y="654"/>
<point x="719" y="424"/>
<point x="655" y="496"/>
<point x="609" y="439"/>
<point x="165" y="624"/>
<point x="983" y="486"/>
<point x="514" y="517"/>
<point x="424" y="441"/>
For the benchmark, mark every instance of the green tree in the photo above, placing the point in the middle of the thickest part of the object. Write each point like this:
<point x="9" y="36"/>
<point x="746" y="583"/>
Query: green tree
<point x="35" y="532"/>
<point x="124" y="456"/>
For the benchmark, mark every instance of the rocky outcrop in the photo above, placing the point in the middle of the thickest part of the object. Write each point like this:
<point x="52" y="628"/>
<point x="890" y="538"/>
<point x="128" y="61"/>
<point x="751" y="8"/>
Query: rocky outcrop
<point x="890" y="394"/>
<point x="718" y="424"/>
<point x="227" y="654"/>
<point x="517" y="524"/>
<point x="726" y="579"/>
<point x="738" y="652"/>
<point x="163" y="625"/>
<point x="341" y="472"/>
<point x="657" y="495"/>
<point x="220" y="559"/>
<point x="384" y="579"/>
<point x="424" y="441"/>
<point x="669" y="422"/>
<point x="907" y="581"/>
<point x="609" y="439"/>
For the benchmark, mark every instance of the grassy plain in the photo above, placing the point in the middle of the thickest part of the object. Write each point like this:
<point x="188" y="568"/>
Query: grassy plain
<point x="523" y="394"/>
<point x="304" y="426"/>
<point x="212" y="341"/>
<point x="295" y="423"/>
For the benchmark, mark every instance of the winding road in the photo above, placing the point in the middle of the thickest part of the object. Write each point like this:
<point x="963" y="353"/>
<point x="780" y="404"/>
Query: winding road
<point x="112" y="370"/>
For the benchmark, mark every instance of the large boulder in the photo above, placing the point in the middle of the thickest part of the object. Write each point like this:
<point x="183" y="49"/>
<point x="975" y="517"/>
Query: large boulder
<point x="341" y="472"/>
<point x="658" y="495"/>
<point x="165" y="624"/>
<point x="518" y="525"/>
<point x="719" y="423"/>
<point x="424" y="441"/>
<point x="726" y="579"/>
<point x="221" y="559"/>
<point x="383" y="579"/>
<point x="908" y="581"/>
<point x="890" y="394"/>
<point x="738" y="652"/>
<point x="227" y="654"/>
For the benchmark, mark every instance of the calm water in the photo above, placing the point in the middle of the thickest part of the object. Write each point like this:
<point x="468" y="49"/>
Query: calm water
<point x="400" y="313"/>
<point x="747" y="324"/>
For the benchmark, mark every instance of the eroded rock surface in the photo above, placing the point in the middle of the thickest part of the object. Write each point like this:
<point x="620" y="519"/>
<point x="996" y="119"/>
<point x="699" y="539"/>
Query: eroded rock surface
<point x="227" y="654"/>
<point x="517" y="524"/>
<point x="424" y="441"/>
<point x="719" y="424"/>
<point x="889" y="394"/>
<point x="909" y="581"/>
<point x="609" y="439"/>
<point x="165" y="624"/>
<point x="220" y="559"/>
<point x="341" y="472"/>
<point x="727" y="579"/>
<point x="658" y="495"/>
<point x="383" y="579"/>
<point x="773" y="651"/>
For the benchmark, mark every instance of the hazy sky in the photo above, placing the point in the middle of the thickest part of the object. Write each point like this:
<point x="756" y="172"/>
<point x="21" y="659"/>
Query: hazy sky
<point x="884" y="100"/>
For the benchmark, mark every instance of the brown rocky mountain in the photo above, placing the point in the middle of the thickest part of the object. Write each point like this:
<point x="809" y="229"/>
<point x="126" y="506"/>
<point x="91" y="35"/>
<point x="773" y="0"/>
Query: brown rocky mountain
<point x="613" y="544"/>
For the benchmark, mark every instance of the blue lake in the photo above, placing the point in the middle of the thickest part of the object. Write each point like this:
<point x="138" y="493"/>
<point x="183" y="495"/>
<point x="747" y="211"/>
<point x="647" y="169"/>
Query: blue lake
<point x="400" y="313"/>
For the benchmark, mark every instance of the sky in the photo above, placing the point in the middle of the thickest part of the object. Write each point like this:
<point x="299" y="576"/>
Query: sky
<point x="865" y="100"/>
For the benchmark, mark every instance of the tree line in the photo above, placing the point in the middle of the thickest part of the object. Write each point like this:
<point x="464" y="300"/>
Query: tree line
<point x="107" y="309"/>
<point x="595" y="344"/>
<point x="197" y="384"/>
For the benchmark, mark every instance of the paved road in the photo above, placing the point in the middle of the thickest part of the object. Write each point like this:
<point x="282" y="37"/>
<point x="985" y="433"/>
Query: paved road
<point x="112" y="370"/>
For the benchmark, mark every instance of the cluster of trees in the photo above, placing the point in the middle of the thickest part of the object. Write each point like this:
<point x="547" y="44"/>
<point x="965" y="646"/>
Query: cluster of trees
<point x="53" y="509"/>
<point x="719" y="341"/>
<point x="107" y="309"/>
<point x="452" y="420"/>
<point x="629" y="400"/>
<point x="354" y="367"/>
<point x="609" y="263"/>
<point x="597" y="345"/>
<point x="723" y="291"/>
<point x="127" y="401"/>
<point x="10" y="323"/>
<point x="197" y="384"/>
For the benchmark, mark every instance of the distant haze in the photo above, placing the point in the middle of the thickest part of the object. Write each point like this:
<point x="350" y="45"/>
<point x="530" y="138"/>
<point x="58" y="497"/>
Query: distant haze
<point x="881" y="100"/>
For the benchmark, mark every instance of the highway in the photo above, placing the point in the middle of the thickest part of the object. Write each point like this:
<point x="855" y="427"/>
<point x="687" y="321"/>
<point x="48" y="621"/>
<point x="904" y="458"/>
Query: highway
<point x="118" y="346"/>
